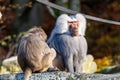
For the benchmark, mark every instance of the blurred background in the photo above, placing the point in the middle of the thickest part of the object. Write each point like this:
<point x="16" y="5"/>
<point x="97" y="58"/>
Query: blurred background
<point x="17" y="16"/>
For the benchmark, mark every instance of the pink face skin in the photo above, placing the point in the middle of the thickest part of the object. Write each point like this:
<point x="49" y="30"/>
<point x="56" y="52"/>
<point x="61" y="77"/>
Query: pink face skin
<point x="73" y="27"/>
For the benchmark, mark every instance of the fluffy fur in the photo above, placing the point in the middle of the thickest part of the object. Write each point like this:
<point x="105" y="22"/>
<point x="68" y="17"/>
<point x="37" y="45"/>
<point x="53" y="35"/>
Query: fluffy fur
<point x="61" y="25"/>
<point x="71" y="50"/>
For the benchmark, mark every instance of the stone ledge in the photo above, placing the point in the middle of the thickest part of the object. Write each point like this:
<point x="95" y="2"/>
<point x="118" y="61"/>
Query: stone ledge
<point x="60" y="76"/>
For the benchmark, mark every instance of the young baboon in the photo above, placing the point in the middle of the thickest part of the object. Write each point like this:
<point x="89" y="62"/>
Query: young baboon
<point x="34" y="55"/>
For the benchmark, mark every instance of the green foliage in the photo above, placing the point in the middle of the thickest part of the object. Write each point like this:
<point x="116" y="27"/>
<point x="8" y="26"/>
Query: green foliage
<point x="10" y="38"/>
<point x="110" y="70"/>
<point x="3" y="43"/>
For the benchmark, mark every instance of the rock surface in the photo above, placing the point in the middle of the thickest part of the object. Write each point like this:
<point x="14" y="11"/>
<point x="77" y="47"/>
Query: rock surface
<point x="60" y="76"/>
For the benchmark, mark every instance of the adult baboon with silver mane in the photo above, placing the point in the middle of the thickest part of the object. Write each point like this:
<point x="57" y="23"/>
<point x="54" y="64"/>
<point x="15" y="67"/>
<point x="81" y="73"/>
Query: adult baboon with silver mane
<point x="67" y="38"/>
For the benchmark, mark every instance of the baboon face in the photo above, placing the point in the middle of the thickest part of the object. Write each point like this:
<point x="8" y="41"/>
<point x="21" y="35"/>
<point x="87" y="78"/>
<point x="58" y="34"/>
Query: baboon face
<point x="73" y="28"/>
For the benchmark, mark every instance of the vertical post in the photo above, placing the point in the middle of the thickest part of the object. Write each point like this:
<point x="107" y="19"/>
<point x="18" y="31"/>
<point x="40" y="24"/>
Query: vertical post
<point x="74" y="5"/>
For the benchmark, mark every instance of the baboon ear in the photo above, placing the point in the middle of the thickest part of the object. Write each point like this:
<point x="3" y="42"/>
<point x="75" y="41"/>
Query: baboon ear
<point x="82" y="23"/>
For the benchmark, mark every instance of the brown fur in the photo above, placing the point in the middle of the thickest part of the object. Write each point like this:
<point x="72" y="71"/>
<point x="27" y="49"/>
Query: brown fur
<point x="34" y="55"/>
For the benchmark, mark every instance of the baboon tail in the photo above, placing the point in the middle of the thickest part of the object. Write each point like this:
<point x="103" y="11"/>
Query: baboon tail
<point x="28" y="73"/>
